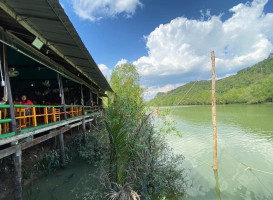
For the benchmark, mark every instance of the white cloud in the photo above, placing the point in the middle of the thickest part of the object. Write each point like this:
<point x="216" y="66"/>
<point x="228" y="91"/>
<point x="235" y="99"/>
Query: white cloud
<point x="180" y="50"/>
<point x="122" y="61"/>
<point x="105" y="70"/>
<point x="152" y="91"/>
<point x="94" y="10"/>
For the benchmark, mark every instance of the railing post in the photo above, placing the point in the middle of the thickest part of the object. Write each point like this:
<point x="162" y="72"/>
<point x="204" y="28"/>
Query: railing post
<point x="17" y="157"/>
<point x="53" y="114"/>
<point x="46" y="115"/>
<point x="34" y="119"/>
<point x="61" y="137"/>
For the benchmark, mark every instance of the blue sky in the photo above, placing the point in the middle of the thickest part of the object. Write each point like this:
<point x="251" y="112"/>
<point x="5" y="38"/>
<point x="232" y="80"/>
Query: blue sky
<point x="170" y="40"/>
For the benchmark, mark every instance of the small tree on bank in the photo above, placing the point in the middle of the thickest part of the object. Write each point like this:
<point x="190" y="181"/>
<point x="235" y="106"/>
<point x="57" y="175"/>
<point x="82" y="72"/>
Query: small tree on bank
<point x="137" y="156"/>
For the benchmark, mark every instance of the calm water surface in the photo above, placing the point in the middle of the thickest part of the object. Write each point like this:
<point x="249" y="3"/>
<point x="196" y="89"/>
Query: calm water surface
<point x="245" y="138"/>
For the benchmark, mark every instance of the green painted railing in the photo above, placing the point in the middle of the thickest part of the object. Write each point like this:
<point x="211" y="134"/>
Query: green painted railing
<point x="72" y="114"/>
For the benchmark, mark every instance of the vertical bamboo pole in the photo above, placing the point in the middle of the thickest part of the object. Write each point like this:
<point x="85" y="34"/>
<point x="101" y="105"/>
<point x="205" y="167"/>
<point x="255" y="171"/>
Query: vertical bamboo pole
<point x="215" y="167"/>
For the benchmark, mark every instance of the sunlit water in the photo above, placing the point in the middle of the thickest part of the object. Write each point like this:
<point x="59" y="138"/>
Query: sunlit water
<point x="245" y="137"/>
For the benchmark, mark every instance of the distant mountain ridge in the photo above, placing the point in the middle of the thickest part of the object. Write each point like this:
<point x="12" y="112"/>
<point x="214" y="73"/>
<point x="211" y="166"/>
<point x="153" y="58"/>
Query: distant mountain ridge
<point x="250" y="85"/>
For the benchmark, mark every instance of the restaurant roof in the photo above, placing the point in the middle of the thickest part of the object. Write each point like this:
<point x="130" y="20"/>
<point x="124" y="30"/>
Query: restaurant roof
<point x="22" y="22"/>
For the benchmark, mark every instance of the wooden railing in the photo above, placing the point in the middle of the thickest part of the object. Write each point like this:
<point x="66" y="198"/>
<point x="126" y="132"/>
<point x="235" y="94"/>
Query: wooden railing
<point x="39" y="115"/>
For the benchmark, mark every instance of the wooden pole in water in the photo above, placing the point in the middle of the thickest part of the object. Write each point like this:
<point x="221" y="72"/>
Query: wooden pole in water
<point x="213" y="101"/>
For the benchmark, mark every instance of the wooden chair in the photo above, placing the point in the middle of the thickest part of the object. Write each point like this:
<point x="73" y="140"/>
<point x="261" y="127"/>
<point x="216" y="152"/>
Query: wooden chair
<point x="72" y="110"/>
<point x="57" y="114"/>
<point x="79" y="111"/>
<point x="21" y="114"/>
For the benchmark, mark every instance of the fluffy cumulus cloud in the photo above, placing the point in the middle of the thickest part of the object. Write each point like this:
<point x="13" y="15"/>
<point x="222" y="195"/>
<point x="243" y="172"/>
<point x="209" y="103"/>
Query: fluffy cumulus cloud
<point x="105" y="70"/>
<point x="180" y="50"/>
<point x="122" y="61"/>
<point x="152" y="91"/>
<point x="97" y="9"/>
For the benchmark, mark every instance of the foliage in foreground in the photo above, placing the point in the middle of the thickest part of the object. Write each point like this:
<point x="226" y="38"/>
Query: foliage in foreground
<point x="134" y="160"/>
<point x="251" y="85"/>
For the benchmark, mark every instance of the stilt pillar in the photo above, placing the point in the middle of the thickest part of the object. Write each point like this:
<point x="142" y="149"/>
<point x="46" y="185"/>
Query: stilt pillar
<point x="61" y="137"/>
<point x="17" y="160"/>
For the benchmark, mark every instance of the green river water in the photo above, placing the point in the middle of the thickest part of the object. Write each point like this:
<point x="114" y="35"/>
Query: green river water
<point x="245" y="138"/>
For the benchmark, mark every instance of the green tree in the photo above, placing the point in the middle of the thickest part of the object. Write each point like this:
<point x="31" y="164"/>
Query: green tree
<point x="136" y="154"/>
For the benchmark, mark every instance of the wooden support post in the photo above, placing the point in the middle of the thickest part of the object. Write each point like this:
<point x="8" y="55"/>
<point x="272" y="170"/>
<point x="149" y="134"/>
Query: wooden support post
<point x="98" y="99"/>
<point x="61" y="137"/>
<point x="91" y="98"/>
<point x="17" y="160"/>
<point x="83" y="112"/>
<point x="10" y="101"/>
<point x="213" y="102"/>
<point x="91" y="104"/>
<point x="17" y="157"/>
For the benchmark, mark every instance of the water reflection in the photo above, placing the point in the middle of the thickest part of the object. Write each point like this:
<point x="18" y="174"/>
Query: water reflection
<point x="217" y="188"/>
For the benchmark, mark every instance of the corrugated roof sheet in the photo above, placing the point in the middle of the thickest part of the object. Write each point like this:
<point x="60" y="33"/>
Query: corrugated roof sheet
<point x="47" y="20"/>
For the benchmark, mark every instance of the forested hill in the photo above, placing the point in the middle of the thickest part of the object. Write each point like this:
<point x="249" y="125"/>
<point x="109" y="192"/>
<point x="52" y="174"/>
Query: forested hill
<point x="250" y="85"/>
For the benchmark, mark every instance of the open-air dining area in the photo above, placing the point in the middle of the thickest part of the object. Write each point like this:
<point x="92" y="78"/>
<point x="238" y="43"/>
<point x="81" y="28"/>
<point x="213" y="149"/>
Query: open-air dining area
<point x="41" y="96"/>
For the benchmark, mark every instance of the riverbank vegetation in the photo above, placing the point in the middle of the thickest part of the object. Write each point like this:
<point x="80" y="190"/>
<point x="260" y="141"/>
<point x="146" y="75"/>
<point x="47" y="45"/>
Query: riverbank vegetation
<point x="251" y="85"/>
<point x="135" y="161"/>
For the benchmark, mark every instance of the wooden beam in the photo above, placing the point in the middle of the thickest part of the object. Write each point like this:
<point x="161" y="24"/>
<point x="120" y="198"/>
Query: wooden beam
<point x="43" y="138"/>
<point x="9" y="151"/>
<point x="22" y="146"/>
